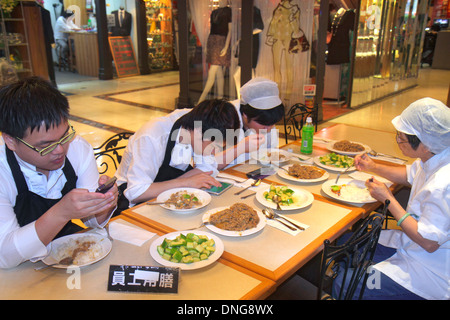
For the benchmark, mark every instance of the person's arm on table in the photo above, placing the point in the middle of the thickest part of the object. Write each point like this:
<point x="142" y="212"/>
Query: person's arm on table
<point x="194" y="178"/>
<point x="409" y="225"/>
<point x="396" y="174"/>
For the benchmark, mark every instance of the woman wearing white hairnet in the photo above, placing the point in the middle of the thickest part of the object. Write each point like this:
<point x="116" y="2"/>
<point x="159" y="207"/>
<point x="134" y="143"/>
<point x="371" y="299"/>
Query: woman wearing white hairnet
<point x="415" y="261"/>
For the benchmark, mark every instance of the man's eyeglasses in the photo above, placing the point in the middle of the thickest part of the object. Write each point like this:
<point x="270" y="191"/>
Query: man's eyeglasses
<point x="53" y="146"/>
<point x="398" y="139"/>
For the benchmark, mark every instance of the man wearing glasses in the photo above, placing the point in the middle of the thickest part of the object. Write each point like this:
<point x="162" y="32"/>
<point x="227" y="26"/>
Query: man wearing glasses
<point x="47" y="173"/>
<point x="414" y="260"/>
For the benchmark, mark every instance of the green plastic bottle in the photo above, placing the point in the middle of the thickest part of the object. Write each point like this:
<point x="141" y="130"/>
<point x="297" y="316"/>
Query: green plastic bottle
<point x="307" y="137"/>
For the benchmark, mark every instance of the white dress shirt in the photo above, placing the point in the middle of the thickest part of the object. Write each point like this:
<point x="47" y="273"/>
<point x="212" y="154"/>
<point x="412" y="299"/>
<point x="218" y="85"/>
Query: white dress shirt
<point x="62" y="26"/>
<point x="145" y="153"/>
<point x="18" y="244"/>
<point x="425" y="274"/>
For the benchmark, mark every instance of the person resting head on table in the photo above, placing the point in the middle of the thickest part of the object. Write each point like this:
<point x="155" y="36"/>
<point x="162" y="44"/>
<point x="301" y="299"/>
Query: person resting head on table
<point x="420" y="262"/>
<point x="158" y="156"/>
<point x="259" y="109"/>
<point x="48" y="174"/>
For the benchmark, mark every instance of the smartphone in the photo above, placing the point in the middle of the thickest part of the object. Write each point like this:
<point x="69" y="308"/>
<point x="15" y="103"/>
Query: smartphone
<point x="260" y="173"/>
<point x="219" y="190"/>
<point x="106" y="186"/>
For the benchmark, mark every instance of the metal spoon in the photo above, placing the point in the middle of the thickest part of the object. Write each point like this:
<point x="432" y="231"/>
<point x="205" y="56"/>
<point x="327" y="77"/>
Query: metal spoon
<point x="254" y="184"/>
<point x="276" y="199"/>
<point x="276" y="215"/>
<point x="67" y="261"/>
<point x="376" y="154"/>
<point x="270" y="215"/>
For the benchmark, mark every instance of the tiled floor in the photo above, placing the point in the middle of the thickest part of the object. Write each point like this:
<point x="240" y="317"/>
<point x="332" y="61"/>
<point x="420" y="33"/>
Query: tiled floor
<point x="101" y="108"/>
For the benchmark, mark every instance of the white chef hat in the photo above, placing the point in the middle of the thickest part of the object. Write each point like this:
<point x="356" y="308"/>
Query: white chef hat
<point x="429" y="120"/>
<point x="261" y="94"/>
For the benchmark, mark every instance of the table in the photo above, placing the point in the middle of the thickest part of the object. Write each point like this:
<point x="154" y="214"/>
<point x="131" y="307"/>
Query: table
<point x="272" y="252"/>
<point x="223" y="280"/>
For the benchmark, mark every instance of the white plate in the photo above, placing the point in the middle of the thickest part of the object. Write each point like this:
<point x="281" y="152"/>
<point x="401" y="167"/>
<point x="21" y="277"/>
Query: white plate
<point x="57" y="244"/>
<point x="348" y="153"/>
<point x="187" y="266"/>
<point x="302" y="197"/>
<point x="262" y="155"/>
<point x="326" y="187"/>
<point x="203" y="196"/>
<point x="259" y="226"/>
<point x="282" y="173"/>
<point x="331" y="168"/>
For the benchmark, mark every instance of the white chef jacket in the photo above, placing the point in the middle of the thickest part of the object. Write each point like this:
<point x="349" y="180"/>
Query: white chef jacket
<point x="271" y="138"/>
<point x="18" y="244"/>
<point x="145" y="153"/>
<point x="63" y="25"/>
<point x="425" y="274"/>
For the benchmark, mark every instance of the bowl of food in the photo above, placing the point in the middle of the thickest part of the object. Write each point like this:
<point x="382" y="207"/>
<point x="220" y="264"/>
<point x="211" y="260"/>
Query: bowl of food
<point x="235" y="221"/>
<point x="271" y="156"/>
<point x="303" y="173"/>
<point x="183" y="200"/>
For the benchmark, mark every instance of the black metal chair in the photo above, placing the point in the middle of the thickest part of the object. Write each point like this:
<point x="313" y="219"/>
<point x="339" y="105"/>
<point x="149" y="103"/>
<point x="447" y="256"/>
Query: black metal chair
<point x="107" y="153"/>
<point x="296" y="117"/>
<point x="356" y="254"/>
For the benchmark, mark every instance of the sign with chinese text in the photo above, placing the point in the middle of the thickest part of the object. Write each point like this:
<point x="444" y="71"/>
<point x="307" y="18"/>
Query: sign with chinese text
<point x="309" y="90"/>
<point x="123" y="55"/>
<point x="143" y="279"/>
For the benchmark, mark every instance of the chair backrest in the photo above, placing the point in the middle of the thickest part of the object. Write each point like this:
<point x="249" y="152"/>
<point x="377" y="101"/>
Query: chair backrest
<point x="109" y="152"/>
<point x="296" y="117"/>
<point x="355" y="254"/>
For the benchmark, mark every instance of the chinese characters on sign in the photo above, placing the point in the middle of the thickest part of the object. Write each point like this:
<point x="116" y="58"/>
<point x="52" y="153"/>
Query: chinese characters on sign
<point x="123" y="55"/>
<point x="143" y="279"/>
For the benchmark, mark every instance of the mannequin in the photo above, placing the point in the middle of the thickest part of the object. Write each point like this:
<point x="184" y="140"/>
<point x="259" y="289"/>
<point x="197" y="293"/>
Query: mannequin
<point x="339" y="45"/>
<point x="122" y="26"/>
<point x="284" y="27"/>
<point x="218" y="52"/>
<point x="258" y="27"/>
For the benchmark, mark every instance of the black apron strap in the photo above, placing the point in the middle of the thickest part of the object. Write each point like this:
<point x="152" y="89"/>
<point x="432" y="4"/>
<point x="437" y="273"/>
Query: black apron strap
<point x="166" y="172"/>
<point x="30" y="206"/>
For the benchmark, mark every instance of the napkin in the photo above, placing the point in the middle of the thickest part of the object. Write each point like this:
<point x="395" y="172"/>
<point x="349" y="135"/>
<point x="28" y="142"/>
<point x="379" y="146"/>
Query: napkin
<point x="358" y="175"/>
<point x="225" y="177"/>
<point x="276" y="224"/>
<point x="129" y="234"/>
<point x="302" y="158"/>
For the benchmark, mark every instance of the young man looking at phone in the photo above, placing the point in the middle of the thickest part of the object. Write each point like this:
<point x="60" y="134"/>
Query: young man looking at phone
<point x="48" y="174"/>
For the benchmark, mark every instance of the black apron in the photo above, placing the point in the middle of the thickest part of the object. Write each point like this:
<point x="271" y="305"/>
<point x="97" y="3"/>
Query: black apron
<point x="165" y="172"/>
<point x="29" y="206"/>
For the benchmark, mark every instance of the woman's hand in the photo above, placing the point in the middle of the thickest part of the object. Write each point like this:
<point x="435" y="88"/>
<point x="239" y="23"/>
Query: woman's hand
<point x="364" y="163"/>
<point x="379" y="190"/>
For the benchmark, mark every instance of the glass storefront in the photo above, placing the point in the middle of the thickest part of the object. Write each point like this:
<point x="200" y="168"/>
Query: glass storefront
<point x="277" y="50"/>
<point x="388" y="48"/>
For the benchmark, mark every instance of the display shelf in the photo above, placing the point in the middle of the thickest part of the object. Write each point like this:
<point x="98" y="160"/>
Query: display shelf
<point x="14" y="46"/>
<point x="160" y="37"/>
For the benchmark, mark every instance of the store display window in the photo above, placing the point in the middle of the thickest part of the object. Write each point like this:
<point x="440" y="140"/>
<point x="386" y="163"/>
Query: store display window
<point x="160" y="35"/>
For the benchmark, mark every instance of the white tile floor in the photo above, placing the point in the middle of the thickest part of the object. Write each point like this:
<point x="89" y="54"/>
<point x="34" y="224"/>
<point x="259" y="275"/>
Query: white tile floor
<point x="130" y="110"/>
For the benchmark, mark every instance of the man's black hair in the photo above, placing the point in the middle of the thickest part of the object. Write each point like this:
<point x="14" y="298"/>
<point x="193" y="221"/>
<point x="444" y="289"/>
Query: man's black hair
<point x="264" y="117"/>
<point x="413" y="141"/>
<point x="214" y="114"/>
<point x="29" y="103"/>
